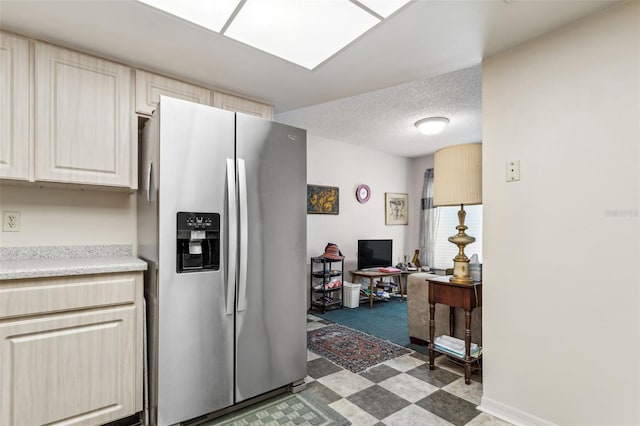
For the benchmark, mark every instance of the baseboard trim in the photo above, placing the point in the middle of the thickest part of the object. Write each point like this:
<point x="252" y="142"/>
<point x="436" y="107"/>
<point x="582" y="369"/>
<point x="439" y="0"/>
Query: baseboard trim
<point x="510" y="414"/>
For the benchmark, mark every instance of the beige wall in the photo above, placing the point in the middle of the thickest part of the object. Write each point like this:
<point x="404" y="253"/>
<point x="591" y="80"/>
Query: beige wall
<point x="346" y="166"/>
<point x="51" y="216"/>
<point x="561" y="246"/>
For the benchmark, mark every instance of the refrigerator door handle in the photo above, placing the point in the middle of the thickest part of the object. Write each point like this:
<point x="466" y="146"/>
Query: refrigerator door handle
<point x="244" y="236"/>
<point x="150" y="188"/>
<point x="232" y="236"/>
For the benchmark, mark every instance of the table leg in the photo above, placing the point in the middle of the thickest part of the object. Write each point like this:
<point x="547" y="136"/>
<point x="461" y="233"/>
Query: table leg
<point x="399" y="277"/>
<point x="370" y="292"/>
<point x="432" y="332"/>
<point x="467" y="347"/>
<point x="452" y="321"/>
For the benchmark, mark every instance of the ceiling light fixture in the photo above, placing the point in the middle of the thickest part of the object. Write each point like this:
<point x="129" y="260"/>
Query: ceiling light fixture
<point x="208" y="14"/>
<point x="432" y="125"/>
<point x="303" y="32"/>
<point x="306" y="33"/>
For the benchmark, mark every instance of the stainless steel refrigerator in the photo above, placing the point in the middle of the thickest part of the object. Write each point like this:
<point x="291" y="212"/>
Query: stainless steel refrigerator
<point x="222" y="224"/>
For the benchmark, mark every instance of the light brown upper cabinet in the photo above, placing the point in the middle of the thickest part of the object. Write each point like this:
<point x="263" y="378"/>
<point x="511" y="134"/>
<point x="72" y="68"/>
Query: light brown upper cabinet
<point x="68" y="117"/>
<point x="149" y="87"/>
<point x="14" y="107"/>
<point x="83" y="119"/>
<point x="237" y="104"/>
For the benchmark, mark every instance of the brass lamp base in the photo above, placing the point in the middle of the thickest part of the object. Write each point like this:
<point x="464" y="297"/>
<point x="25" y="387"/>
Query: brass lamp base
<point x="461" y="261"/>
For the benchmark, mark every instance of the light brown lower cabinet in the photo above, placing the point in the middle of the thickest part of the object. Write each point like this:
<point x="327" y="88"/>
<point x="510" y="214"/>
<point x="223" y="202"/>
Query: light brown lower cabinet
<point x="75" y="357"/>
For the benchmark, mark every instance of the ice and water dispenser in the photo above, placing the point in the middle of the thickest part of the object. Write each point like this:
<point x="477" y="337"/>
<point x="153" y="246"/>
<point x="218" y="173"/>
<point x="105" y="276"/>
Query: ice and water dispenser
<point x="198" y="242"/>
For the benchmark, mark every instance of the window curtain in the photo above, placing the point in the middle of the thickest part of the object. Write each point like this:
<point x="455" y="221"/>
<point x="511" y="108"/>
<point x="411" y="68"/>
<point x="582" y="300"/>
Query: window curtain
<point x="429" y="217"/>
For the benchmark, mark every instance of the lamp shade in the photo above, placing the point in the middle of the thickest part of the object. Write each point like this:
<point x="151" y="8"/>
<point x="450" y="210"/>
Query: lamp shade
<point x="457" y="175"/>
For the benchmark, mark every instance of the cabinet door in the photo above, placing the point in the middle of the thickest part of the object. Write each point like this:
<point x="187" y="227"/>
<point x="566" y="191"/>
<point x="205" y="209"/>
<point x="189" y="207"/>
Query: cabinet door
<point x="14" y="107"/>
<point x="149" y="87"/>
<point x="83" y="118"/>
<point x="234" y="103"/>
<point x="78" y="368"/>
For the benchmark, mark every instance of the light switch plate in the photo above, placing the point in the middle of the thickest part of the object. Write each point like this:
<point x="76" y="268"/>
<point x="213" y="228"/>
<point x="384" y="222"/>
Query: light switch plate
<point x="513" y="171"/>
<point x="11" y="221"/>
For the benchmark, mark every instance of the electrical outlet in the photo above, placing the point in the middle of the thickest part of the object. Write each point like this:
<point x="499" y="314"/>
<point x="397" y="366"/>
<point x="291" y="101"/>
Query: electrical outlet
<point x="11" y="222"/>
<point x="513" y="171"/>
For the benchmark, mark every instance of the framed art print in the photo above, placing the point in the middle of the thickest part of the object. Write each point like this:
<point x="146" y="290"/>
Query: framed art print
<point x="322" y="199"/>
<point x="396" y="208"/>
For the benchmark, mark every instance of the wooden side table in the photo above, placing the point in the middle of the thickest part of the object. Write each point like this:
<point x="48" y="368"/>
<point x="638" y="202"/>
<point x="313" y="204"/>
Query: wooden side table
<point x="465" y="296"/>
<point x="376" y="274"/>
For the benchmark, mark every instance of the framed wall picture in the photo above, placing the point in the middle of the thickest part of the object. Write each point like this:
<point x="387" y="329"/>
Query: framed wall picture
<point x="322" y="199"/>
<point x="396" y="208"/>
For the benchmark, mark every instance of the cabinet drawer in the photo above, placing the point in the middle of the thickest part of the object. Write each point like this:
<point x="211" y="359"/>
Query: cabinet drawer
<point x="149" y="88"/>
<point x="246" y="106"/>
<point x="78" y="368"/>
<point x="36" y="296"/>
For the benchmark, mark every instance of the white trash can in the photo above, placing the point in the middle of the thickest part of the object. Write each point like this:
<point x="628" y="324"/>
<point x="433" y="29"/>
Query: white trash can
<point x="351" y="295"/>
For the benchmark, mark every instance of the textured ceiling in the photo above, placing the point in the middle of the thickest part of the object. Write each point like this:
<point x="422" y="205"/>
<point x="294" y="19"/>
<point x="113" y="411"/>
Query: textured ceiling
<point x="384" y="119"/>
<point x="370" y="93"/>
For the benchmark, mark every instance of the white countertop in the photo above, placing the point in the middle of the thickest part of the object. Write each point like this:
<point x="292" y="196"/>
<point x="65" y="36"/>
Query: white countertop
<point x="37" y="268"/>
<point x="39" y="262"/>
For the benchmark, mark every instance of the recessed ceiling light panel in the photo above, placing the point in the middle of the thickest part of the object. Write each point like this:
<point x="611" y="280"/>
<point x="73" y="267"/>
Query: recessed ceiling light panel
<point x="305" y="32"/>
<point x="209" y="14"/>
<point x="384" y="8"/>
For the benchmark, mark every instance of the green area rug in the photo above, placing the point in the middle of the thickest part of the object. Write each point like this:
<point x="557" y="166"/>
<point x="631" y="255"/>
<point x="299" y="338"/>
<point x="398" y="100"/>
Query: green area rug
<point x="285" y="410"/>
<point x="387" y="320"/>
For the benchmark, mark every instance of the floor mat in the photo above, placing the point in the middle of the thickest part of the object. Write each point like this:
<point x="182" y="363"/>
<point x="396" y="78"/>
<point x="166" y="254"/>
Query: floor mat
<point x="351" y="349"/>
<point x="285" y="410"/>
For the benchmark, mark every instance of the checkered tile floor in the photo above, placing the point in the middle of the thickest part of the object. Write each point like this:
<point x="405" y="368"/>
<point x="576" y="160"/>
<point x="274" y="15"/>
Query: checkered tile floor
<point x="402" y="391"/>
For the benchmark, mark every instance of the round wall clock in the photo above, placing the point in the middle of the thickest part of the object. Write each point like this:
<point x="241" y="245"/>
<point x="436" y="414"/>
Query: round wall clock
<point x="363" y="193"/>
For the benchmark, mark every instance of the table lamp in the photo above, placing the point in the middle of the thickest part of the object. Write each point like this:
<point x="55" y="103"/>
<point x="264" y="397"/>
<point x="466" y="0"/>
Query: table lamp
<point x="457" y="180"/>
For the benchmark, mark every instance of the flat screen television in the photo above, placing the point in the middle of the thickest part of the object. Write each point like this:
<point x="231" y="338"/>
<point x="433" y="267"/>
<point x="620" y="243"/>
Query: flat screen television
<point x="374" y="253"/>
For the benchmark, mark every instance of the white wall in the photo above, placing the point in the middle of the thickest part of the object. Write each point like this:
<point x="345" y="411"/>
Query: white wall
<point x="52" y="216"/>
<point x="346" y="166"/>
<point x="561" y="246"/>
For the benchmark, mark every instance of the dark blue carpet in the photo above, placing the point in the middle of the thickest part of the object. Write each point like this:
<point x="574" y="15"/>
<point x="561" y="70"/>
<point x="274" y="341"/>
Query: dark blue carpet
<point x="387" y="320"/>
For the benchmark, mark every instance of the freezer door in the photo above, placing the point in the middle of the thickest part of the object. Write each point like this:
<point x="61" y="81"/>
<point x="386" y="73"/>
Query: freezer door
<point x="271" y="317"/>
<point x="195" y="341"/>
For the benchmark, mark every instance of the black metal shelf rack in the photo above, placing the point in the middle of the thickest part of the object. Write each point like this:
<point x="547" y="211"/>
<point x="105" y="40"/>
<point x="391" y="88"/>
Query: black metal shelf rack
<point x="322" y="297"/>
